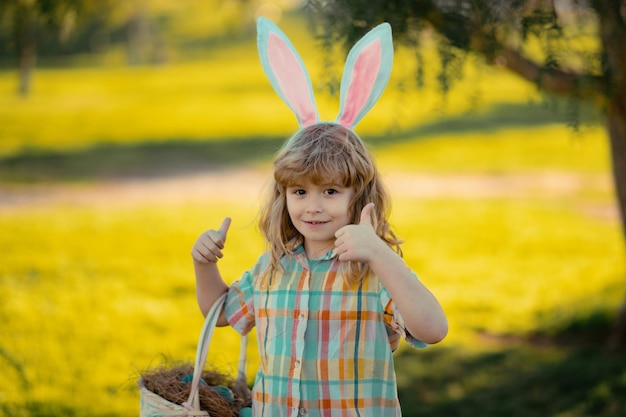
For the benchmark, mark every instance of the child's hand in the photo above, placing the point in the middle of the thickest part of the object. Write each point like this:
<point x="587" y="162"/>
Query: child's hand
<point x="210" y="243"/>
<point x="358" y="242"/>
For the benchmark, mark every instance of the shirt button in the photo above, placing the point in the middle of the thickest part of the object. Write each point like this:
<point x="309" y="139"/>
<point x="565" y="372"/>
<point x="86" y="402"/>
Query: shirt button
<point x="302" y="411"/>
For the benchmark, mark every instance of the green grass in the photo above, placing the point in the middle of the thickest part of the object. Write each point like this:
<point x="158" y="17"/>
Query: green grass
<point x="512" y="381"/>
<point x="93" y="292"/>
<point x="106" y="292"/>
<point x="225" y="94"/>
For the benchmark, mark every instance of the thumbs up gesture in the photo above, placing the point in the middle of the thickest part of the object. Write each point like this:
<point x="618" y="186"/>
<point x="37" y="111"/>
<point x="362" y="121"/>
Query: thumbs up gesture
<point x="208" y="247"/>
<point x="359" y="242"/>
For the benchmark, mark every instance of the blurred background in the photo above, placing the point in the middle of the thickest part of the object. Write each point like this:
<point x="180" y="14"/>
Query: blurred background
<point x="127" y="128"/>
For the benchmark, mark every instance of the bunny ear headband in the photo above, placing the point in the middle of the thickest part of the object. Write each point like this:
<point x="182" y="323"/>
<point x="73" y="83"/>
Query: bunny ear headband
<point x="365" y="76"/>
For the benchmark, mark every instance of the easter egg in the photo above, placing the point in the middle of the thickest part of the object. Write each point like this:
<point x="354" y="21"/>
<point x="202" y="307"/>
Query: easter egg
<point x="189" y="378"/>
<point x="224" y="392"/>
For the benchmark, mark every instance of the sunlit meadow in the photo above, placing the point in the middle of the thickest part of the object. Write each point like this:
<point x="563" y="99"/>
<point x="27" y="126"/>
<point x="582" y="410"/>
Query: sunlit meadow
<point x="94" y="291"/>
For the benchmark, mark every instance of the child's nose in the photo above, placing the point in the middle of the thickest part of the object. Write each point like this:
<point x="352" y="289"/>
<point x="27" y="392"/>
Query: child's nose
<point x="314" y="205"/>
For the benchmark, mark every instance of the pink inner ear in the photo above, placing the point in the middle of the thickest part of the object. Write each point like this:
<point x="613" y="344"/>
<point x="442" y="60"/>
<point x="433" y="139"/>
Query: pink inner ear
<point x="363" y="77"/>
<point x="292" y="79"/>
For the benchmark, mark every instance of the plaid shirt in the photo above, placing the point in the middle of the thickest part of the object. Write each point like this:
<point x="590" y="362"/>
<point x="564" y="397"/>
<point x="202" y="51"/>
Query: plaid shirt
<point x="325" y="346"/>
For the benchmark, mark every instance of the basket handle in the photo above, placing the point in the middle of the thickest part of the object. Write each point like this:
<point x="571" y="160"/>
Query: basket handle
<point x="193" y="402"/>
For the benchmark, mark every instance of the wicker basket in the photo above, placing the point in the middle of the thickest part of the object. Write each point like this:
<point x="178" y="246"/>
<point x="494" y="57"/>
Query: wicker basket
<point x="154" y="405"/>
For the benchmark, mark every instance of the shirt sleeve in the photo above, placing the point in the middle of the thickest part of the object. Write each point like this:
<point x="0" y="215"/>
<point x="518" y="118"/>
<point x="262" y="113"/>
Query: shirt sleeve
<point x="239" y="307"/>
<point x="395" y="323"/>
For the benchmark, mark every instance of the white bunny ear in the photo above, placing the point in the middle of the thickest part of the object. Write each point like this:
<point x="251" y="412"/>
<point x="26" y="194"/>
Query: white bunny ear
<point x="366" y="74"/>
<point x="286" y="72"/>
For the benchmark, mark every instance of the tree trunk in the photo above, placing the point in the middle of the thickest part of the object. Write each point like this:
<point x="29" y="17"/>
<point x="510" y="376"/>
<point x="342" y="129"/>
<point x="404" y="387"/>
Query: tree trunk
<point x="617" y="134"/>
<point x="27" y="58"/>
<point x="138" y="37"/>
<point x="613" y="37"/>
<point x="26" y="46"/>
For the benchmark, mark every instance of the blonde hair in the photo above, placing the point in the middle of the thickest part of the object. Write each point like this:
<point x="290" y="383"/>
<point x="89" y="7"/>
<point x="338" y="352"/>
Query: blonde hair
<point x="325" y="153"/>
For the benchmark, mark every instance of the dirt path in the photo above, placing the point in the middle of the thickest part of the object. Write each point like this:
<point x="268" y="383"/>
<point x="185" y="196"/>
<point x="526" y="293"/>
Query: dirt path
<point x="248" y="183"/>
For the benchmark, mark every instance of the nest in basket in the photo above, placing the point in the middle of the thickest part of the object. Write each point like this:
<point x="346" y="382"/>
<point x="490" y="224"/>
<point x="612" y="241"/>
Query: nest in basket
<point x="218" y="393"/>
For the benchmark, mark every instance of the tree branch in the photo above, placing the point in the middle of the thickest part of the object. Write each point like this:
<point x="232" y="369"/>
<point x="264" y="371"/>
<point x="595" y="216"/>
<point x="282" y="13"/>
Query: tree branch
<point x="587" y="87"/>
<point x="478" y="30"/>
<point x="584" y="86"/>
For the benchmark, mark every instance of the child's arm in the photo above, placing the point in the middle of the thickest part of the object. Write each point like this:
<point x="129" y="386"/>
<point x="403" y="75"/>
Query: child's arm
<point x="423" y="316"/>
<point x="209" y="283"/>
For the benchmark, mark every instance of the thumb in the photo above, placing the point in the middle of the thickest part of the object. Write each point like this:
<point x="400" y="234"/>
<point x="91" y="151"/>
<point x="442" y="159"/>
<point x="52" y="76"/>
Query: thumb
<point x="366" y="214"/>
<point x="223" y="230"/>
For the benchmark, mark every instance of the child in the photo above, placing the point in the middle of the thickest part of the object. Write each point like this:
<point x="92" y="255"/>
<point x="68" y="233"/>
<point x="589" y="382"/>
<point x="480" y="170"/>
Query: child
<point x="332" y="297"/>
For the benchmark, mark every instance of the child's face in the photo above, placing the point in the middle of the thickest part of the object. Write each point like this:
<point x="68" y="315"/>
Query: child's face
<point x="317" y="212"/>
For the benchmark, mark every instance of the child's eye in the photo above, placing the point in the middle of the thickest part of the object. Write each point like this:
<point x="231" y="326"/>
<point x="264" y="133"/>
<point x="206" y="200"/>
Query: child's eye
<point x="299" y="192"/>
<point x="331" y="191"/>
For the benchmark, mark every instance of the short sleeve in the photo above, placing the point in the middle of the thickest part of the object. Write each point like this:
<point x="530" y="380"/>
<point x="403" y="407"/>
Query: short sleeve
<point x="395" y="323"/>
<point x="239" y="307"/>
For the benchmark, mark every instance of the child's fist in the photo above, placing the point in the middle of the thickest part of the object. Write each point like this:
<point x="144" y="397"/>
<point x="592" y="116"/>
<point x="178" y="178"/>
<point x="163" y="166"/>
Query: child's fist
<point x="208" y="247"/>
<point x="358" y="242"/>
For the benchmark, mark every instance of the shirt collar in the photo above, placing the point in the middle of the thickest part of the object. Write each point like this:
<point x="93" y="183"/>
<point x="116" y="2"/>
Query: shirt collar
<point x="295" y="247"/>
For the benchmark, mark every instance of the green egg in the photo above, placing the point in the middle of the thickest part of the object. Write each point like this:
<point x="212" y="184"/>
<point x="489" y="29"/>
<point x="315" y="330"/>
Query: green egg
<point x="224" y="392"/>
<point x="189" y="378"/>
<point x="245" y="412"/>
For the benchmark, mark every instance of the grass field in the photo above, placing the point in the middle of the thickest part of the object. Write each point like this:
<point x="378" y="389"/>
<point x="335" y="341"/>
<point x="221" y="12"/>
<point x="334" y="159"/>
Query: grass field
<point x="508" y="217"/>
